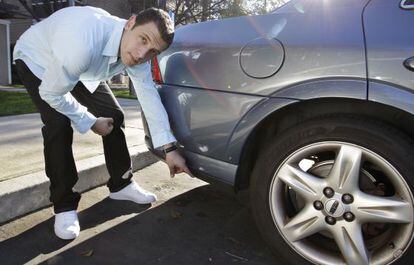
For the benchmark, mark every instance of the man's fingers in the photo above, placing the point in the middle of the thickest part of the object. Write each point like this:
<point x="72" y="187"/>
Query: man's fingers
<point x="186" y="170"/>
<point x="182" y="169"/>
<point x="172" y="171"/>
<point x="110" y="122"/>
<point x="178" y="170"/>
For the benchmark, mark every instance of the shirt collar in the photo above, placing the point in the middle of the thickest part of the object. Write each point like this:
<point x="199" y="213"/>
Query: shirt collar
<point x="112" y="46"/>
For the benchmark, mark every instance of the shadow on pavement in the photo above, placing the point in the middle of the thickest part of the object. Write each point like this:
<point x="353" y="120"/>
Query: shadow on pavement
<point x="203" y="226"/>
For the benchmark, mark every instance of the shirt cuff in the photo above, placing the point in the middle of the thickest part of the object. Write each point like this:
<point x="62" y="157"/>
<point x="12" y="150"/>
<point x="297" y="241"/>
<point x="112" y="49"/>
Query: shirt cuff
<point x="162" y="138"/>
<point x="85" y="123"/>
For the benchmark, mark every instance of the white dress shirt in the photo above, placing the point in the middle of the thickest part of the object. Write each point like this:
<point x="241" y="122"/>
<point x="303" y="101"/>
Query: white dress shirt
<point x="81" y="44"/>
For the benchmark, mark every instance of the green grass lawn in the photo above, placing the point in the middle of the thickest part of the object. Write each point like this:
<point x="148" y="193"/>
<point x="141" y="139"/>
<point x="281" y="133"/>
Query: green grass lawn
<point x="124" y="93"/>
<point x="12" y="103"/>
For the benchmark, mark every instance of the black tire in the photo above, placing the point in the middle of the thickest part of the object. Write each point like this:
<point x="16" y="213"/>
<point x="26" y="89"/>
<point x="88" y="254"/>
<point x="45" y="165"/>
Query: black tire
<point x="392" y="145"/>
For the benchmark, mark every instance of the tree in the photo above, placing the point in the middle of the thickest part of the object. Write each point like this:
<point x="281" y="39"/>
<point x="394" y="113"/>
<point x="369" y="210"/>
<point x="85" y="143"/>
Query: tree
<point x="139" y="5"/>
<point x="254" y="7"/>
<point x="193" y="11"/>
<point x="234" y="8"/>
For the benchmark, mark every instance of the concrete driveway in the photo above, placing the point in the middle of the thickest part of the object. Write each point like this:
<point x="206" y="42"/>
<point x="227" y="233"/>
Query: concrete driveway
<point x="191" y="223"/>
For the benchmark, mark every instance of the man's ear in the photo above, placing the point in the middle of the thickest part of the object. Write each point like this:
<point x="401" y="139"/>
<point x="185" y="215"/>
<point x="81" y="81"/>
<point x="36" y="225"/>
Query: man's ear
<point x="131" y="22"/>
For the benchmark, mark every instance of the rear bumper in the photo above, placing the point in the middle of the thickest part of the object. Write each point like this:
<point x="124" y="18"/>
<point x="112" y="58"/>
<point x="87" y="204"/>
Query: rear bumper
<point x="202" y="167"/>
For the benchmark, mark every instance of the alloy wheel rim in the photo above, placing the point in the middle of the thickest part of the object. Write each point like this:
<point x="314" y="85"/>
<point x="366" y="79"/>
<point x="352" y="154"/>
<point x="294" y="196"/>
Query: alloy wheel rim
<point x="343" y="209"/>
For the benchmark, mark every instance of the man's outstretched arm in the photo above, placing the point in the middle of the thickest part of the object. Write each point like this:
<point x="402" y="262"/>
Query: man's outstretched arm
<point x="156" y="116"/>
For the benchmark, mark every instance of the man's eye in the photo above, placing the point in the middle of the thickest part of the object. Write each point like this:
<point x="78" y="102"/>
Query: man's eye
<point x="144" y="40"/>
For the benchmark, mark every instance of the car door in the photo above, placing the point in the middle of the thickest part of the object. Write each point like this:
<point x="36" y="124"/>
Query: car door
<point x="390" y="52"/>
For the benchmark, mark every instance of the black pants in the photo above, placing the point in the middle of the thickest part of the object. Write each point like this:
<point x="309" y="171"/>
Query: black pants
<point x="58" y="135"/>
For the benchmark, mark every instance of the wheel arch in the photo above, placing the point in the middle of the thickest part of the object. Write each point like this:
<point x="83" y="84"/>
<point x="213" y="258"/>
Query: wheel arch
<point x="298" y="111"/>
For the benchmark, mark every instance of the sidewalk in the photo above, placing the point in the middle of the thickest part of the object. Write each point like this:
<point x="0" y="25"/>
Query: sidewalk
<point x="190" y="223"/>
<point x="22" y="177"/>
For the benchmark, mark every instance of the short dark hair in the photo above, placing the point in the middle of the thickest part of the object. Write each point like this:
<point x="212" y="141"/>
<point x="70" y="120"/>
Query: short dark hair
<point x="161" y="19"/>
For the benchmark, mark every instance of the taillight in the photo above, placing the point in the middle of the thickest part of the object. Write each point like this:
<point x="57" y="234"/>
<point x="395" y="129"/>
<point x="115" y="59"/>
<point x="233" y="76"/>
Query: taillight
<point x="155" y="69"/>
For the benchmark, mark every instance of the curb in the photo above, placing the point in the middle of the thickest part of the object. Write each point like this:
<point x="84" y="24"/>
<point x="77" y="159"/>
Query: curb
<point x="29" y="193"/>
<point x="19" y="90"/>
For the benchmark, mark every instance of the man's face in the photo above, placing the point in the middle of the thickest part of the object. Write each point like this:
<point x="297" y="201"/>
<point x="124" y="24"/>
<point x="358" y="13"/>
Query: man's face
<point x="141" y="43"/>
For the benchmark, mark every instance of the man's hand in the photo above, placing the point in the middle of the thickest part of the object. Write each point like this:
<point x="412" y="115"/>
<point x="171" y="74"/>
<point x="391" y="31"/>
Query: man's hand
<point x="176" y="164"/>
<point x="103" y="126"/>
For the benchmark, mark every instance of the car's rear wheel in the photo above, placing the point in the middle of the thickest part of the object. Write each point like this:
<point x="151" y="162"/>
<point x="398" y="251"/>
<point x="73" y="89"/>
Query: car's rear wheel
<point x="336" y="190"/>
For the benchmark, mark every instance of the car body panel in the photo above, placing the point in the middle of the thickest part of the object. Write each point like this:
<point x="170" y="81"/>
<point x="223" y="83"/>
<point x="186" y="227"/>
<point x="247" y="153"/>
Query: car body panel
<point x="247" y="124"/>
<point x="204" y="119"/>
<point x="390" y="41"/>
<point x="326" y="88"/>
<point x="210" y="168"/>
<point x="321" y="53"/>
<point x="391" y="95"/>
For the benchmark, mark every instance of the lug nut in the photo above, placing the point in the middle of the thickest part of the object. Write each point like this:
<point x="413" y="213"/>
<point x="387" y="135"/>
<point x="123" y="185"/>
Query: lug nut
<point x="349" y="217"/>
<point x="329" y="192"/>
<point x="330" y="220"/>
<point x="347" y="198"/>
<point x="318" y="205"/>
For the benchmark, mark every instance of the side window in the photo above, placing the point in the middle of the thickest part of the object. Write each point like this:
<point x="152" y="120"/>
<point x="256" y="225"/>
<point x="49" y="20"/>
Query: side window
<point x="407" y="4"/>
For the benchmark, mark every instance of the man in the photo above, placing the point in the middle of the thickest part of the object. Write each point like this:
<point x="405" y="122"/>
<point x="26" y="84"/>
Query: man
<point x="62" y="62"/>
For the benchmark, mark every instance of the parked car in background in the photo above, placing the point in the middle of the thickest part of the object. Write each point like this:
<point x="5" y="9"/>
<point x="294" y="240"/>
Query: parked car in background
<point x="310" y="107"/>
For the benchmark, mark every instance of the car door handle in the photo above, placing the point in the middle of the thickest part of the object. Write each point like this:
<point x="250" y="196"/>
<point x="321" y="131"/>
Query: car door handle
<point x="409" y="64"/>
